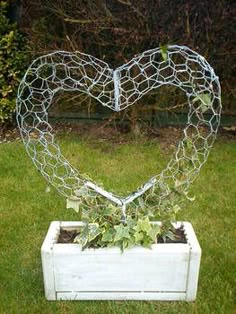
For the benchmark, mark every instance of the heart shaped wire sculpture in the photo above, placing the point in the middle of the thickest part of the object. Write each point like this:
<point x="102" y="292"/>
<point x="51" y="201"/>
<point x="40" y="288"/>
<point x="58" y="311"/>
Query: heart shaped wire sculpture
<point x="117" y="89"/>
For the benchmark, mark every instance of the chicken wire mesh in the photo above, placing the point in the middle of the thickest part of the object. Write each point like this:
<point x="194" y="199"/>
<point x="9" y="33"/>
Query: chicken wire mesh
<point x="117" y="89"/>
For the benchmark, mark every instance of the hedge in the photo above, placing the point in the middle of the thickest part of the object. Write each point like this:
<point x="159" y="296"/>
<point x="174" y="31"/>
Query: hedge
<point x="13" y="62"/>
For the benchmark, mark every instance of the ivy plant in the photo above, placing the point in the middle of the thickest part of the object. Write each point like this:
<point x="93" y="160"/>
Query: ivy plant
<point x="205" y="101"/>
<point x="103" y="226"/>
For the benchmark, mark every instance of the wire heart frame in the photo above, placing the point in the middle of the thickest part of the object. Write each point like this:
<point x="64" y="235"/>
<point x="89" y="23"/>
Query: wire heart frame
<point x="117" y="89"/>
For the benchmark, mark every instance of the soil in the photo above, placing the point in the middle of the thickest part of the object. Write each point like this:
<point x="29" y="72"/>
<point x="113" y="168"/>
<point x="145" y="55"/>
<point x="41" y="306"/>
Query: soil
<point x="167" y="137"/>
<point x="9" y="134"/>
<point x="66" y="236"/>
<point x="179" y="237"/>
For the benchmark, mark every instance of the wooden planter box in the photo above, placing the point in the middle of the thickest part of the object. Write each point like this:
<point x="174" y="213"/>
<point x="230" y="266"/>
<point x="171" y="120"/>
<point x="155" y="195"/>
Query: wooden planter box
<point x="165" y="272"/>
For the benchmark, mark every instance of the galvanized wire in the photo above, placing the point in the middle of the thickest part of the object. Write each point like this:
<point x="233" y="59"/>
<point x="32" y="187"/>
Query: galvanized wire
<point x="117" y="89"/>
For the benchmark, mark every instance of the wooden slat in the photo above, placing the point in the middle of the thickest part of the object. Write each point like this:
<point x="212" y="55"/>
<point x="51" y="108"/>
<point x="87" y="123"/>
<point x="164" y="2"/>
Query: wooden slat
<point x="194" y="263"/>
<point x="161" y="296"/>
<point x="137" y="269"/>
<point x="47" y="260"/>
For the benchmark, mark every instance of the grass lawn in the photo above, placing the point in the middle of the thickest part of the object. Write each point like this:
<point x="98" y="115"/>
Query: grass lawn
<point x="26" y="211"/>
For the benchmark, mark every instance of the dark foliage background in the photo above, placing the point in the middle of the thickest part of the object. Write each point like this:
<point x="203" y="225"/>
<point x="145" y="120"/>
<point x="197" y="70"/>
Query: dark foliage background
<point x="115" y="30"/>
<point x="13" y="61"/>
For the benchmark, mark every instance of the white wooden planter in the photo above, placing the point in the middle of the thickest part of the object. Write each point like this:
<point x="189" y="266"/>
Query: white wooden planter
<point x="165" y="272"/>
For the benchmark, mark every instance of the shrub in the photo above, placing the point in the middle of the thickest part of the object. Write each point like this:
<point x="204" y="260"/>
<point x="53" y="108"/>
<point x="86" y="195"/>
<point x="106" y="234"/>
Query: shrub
<point x="12" y="63"/>
<point x="116" y="30"/>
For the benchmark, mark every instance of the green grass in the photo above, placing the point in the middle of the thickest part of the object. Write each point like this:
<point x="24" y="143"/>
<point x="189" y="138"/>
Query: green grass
<point x="120" y="168"/>
<point x="26" y="212"/>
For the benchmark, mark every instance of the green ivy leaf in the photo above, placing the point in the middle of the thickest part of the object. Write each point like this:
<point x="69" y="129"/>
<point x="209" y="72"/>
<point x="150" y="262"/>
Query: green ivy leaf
<point x="130" y="222"/>
<point x="131" y="243"/>
<point x="121" y="232"/>
<point x="147" y="244"/>
<point x="143" y="225"/>
<point x="205" y="99"/>
<point x="93" y="231"/>
<point x="154" y="231"/>
<point x="141" y="203"/>
<point x="169" y="234"/>
<point x="163" y="51"/>
<point x="82" y="237"/>
<point x="138" y="236"/>
<point x="109" y="210"/>
<point x="107" y="236"/>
